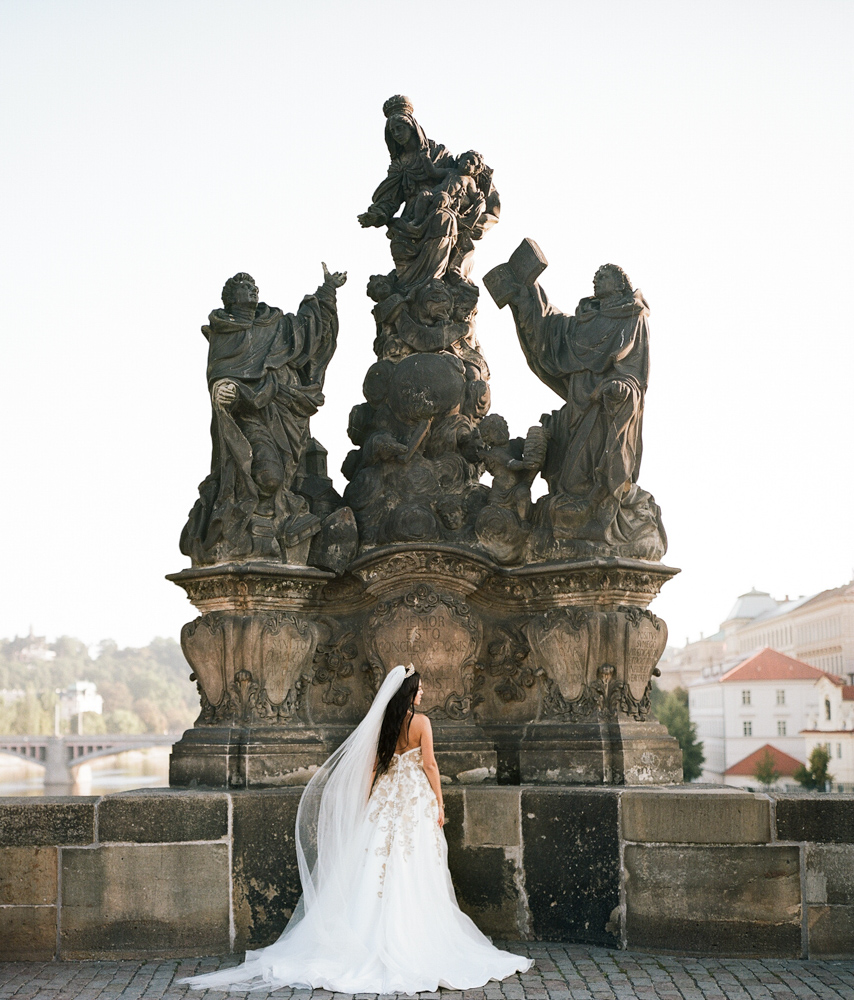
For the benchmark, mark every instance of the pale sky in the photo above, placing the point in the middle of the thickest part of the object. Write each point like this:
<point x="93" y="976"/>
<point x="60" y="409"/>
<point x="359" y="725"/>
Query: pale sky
<point x="151" y="149"/>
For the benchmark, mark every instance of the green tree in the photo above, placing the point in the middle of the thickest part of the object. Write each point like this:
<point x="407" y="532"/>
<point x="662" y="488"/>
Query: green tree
<point x="144" y="690"/>
<point x="765" y="772"/>
<point x="815" y="776"/>
<point x="123" y="721"/>
<point x="671" y="710"/>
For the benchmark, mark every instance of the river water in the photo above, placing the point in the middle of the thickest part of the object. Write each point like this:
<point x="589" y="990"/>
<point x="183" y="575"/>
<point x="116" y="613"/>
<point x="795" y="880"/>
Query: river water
<point x="147" y="768"/>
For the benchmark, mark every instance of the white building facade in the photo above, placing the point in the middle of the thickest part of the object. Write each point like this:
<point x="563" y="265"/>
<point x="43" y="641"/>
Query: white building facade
<point x="766" y="699"/>
<point x="818" y="630"/>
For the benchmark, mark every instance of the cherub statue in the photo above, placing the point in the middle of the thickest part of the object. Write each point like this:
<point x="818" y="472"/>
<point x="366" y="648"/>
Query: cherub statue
<point x="475" y="201"/>
<point x="512" y="464"/>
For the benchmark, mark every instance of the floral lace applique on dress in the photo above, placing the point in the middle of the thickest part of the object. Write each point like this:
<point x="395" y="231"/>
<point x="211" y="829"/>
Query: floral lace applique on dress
<point x="398" y="797"/>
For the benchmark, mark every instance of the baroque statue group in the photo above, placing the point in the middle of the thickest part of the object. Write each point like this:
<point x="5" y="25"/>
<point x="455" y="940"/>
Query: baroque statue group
<point x="424" y="436"/>
<point x="423" y="439"/>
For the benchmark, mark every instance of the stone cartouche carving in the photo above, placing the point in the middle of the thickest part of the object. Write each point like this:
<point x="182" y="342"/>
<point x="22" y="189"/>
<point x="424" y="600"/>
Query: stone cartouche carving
<point x="250" y="668"/>
<point x="388" y="571"/>
<point x="437" y="632"/>
<point x="596" y="664"/>
<point x="507" y="659"/>
<point x="414" y="475"/>
<point x="265" y="375"/>
<point x="597" y="360"/>
<point x="335" y="659"/>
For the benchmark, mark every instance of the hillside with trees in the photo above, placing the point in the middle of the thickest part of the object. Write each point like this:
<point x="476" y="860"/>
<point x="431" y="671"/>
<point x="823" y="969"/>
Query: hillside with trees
<point x="145" y="690"/>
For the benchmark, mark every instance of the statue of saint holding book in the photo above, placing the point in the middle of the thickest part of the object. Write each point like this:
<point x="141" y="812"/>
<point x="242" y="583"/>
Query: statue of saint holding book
<point x="597" y="361"/>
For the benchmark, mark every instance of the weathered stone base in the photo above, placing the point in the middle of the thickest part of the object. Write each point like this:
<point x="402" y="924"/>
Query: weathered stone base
<point x="265" y="757"/>
<point x="581" y="753"/>
<point x="684" y="869"/>
<point x="588" y="753"/>
<point x="537" y="675"/>
<point x="232" y="757"/>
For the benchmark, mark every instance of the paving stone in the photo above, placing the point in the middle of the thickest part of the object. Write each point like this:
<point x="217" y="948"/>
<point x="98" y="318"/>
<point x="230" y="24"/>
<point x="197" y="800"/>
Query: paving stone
<point x="575" y="972"/>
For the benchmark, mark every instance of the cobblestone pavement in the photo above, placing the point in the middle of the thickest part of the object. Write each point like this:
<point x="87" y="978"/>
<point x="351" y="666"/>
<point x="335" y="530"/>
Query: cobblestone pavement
<point x="561" y="972"/>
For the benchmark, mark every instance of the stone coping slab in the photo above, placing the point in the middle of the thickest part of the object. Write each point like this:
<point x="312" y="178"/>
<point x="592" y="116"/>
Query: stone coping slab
<point x="820" y="818"/>
<point x="161" y="817"/>
<point x="688" y="817"/>
<point x="49" y="821"/>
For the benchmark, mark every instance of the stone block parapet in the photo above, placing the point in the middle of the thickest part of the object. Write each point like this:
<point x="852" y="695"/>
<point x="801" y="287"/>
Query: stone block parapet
<point x="693" y="870"/>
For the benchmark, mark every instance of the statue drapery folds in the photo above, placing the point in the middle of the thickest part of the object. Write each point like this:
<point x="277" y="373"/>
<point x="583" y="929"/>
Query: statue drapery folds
<point x="415" y="473"/>
<point x="597" y="360"/>
<point x="265" y="375"/>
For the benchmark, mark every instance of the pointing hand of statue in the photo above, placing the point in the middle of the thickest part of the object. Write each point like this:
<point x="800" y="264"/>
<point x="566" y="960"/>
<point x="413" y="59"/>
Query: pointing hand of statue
<point x="335" y="279"/>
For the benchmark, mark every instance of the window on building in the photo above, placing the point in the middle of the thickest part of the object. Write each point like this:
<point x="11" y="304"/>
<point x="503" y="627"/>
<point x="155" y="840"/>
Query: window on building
<point x="745" y="697"/>
<point x="781" y="727"/>
<point x="781" y="697"/>
<point x="827" y="709"/>
<point x="838" y="749"/>
<point x="748" y="728"/>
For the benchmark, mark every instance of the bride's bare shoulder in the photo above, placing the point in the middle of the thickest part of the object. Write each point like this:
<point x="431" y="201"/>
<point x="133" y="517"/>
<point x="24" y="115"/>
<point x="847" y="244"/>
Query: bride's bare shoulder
<point x="420" y="725"/>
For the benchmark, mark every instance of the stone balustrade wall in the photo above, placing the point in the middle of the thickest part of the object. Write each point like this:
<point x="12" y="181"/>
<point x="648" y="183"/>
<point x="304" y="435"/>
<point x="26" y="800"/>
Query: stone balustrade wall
<point x="161" y="873"/>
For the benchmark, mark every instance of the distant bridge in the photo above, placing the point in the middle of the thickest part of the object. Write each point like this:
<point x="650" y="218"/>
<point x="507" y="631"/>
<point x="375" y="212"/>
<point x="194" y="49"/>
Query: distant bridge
<point x="60" y="756"/>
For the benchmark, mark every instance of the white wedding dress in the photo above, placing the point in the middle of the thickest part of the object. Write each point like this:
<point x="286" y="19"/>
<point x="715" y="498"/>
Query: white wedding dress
<point x="378" y="912"/>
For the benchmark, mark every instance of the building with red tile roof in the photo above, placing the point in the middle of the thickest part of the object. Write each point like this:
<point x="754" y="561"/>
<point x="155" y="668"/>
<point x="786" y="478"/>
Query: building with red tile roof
<point x="743" y="772"/>
<point x="769" y="665"/>
<point x="817" y="629"/>
<point x="767" y="699"/>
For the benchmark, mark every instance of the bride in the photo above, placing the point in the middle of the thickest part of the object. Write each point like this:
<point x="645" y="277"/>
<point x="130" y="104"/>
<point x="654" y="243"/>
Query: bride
<point x="378" y="912"/>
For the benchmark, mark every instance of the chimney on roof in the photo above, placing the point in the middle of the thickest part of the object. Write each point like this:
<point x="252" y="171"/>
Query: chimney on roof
<point x="786" y="599"/>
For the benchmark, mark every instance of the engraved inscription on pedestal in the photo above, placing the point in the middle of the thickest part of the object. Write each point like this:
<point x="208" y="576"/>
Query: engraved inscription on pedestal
<point x="436" y="632"/>
<point x="645" y="637"/>
<point x="561" y="645"/>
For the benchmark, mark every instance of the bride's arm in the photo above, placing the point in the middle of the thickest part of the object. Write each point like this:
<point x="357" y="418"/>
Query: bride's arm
<point x="431" y="768"/>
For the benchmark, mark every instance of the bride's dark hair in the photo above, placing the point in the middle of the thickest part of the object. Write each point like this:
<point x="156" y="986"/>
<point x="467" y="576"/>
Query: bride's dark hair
<point x="400" y="709"/>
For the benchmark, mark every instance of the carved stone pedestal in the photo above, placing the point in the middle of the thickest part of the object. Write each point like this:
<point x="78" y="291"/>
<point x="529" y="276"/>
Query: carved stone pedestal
<point x="538" y="675"/>
<point x="588" y="753"/>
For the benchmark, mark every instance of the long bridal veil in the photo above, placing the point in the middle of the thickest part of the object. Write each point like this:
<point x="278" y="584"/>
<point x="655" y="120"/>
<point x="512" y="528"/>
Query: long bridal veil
<point x="334" y="806"/>
<point x="332" y="835"/>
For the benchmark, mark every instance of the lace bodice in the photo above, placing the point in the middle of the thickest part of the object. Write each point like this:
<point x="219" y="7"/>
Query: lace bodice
<point x="402" y="797"/>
